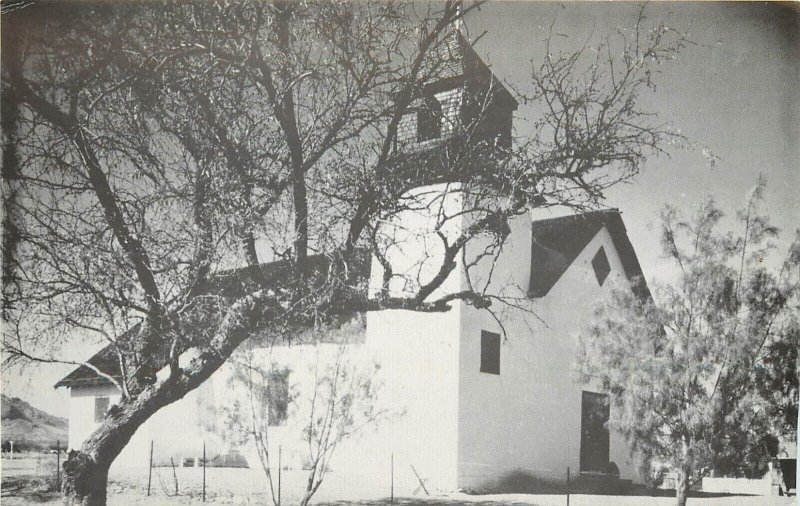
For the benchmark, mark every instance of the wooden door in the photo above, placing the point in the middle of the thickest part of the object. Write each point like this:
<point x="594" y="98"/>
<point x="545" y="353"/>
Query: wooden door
<point x="594" y="434"/>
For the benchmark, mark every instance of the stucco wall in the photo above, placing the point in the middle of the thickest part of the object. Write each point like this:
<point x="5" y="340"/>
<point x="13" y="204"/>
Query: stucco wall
<point x="418" y="353"/>
<point x="458" y="427"/>
<point x="411" y="244"/>
<point x="308" y="365"/>
<point x="528" y="418"/>
<point x="81" y="410"/>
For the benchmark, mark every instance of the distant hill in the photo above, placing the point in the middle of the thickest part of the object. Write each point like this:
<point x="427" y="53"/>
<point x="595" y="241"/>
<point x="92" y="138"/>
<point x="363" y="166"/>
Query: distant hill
<point x="29" y="427"/>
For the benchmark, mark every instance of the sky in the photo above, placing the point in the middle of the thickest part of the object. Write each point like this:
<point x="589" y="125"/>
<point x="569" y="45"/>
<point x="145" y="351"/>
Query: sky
<point x="733" y="92"/>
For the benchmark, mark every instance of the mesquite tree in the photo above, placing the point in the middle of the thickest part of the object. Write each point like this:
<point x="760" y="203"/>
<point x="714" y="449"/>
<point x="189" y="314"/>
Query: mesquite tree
<point x="155" y="146"/>
<point x="683" y="370"/>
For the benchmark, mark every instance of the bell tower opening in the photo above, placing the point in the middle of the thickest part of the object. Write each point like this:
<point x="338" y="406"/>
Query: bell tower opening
<point x="429" y="119"/>
<point x="460" y="108"/>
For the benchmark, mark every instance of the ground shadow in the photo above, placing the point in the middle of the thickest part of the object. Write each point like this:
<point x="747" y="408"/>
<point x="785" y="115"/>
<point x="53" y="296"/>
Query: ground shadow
<point x="520" y="482"/>
<point x="31" y="488"/>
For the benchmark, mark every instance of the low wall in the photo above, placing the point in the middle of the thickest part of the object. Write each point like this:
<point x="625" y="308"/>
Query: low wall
<point x="738" y="486"/>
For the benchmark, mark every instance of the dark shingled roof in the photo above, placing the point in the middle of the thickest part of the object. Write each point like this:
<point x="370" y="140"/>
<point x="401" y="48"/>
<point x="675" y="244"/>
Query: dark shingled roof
<point x="455" y="62"/>
<point x="228" y="283"/>
<point x="556" y="242"/>
<point x="105" y="360"/>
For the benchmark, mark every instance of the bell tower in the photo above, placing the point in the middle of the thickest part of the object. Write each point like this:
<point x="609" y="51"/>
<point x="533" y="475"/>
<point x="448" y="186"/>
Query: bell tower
<point x="461" y="110"/>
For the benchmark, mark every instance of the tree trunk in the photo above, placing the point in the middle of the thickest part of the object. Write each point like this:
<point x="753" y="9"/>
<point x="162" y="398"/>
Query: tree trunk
<point x="684" y="474"/>
<point x="84" y="481"/>
<point x="682" y="488"/>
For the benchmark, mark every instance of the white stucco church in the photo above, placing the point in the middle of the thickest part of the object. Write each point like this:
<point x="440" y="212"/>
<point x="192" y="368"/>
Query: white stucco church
<point x="476" y="398"/>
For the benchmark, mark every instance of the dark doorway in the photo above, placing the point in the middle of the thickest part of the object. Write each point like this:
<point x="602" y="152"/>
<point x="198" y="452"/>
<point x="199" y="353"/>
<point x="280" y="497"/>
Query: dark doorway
<point x="594" y="434"/>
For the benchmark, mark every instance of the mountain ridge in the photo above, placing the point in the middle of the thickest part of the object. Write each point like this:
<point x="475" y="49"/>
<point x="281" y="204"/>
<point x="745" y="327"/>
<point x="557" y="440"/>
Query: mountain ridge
<point x="28" y="426"/>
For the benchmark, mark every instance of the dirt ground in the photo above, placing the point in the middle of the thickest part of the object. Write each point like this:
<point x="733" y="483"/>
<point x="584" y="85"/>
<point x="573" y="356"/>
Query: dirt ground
<point x="128" y="499"/>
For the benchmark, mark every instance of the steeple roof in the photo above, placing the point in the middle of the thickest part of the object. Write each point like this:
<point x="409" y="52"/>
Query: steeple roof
<point x="453" y="62"/>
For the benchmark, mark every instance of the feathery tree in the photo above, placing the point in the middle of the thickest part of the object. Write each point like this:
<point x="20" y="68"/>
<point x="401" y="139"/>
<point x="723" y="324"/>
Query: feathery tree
<point x="683" y="370"/>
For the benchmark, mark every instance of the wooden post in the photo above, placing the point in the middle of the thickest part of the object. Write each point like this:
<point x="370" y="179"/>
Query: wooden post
<point x="58" y="464"/>
<point x="204" y="471"/>
<point x="150" y="469"/>
<point x="421" y="482"/>
<point x="279" y="475"/>
<point x="391" y="498"/>
<point x="567" y="485"/>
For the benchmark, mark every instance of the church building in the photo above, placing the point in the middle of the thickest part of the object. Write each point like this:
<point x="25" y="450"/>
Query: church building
<point x="477" y="396"/>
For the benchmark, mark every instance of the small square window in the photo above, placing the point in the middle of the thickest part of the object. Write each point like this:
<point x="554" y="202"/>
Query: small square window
<point x="601" y="266"/>
<point x="490" y="352"/>
<point x="100" y="408"/>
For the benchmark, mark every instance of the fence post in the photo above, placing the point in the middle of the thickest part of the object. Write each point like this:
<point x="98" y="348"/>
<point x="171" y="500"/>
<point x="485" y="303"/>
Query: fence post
<point x="150" y="469"/>
<point x="279" y="475"/>
<point x="204" y="471"/>
<point x="567" y="485"/>
<point x="58" y="464"/>
<point x="391" y="497"/>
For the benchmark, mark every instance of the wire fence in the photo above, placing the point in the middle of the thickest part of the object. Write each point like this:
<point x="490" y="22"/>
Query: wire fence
<point x="225" y="477"/>
<point x="216" y="479"/>
<point x="200" y="477"/>
<point x="40" y="468"/>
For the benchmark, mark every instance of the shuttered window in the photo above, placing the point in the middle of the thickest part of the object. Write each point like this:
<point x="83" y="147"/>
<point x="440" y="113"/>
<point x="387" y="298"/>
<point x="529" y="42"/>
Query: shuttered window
<point x="278" y="397"/>
<point x="100" y="408"/>
<point x="490" y="352"/>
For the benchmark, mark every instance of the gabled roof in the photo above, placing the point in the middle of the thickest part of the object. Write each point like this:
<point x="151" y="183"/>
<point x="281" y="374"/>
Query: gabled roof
<point x="228" y="283"/>
<point x="105" y="360"/>
<point x="556" y="242"/>
<point x="454" y="62"/>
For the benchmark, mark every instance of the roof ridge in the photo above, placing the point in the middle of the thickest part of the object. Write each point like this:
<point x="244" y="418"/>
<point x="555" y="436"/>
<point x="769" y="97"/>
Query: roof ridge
<point x="587" y="214"/>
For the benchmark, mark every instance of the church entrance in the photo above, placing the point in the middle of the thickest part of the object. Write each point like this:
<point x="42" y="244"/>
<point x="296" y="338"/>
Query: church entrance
<point x="594" y="434"/>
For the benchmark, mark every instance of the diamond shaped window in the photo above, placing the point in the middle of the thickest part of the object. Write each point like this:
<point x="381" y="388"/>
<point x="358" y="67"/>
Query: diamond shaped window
<point x="601" y="266"/>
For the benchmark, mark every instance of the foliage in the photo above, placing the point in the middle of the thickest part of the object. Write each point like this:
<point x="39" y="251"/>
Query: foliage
<point x="777" y="379"/>
<point x="683" y="370"/>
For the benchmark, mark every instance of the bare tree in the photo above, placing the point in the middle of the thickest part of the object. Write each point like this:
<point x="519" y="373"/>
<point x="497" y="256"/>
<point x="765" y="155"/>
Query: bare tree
<point x="155" y="145"/>
<point x="250" y="418"/>
<point x="332" y="401"/>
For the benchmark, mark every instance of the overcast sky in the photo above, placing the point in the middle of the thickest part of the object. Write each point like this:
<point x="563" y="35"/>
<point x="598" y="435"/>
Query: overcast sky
<point x="734" y="92"/>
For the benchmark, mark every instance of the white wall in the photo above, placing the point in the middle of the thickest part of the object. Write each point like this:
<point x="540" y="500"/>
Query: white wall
<point x="307" y="365"/>
<point x="738" y="485"/>
<point x="528" y="418"/>
<point x="81" y="411"/>
<point x="418" y="354"/>
<point x="418" y="351"/>
<point x="411" y="243"/>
